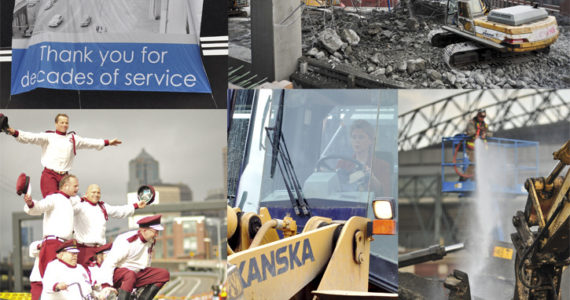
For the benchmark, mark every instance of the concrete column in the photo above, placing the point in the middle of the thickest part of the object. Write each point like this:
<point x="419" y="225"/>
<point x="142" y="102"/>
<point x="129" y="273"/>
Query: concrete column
<point x="163" y="16"/>
<point x="275" y="37"/>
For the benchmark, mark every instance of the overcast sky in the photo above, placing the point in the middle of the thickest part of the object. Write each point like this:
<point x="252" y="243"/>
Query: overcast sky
<point x="187" y="144"/>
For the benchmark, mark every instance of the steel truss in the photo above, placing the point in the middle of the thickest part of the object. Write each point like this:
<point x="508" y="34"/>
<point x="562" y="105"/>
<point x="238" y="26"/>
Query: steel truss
<point x="506" y="109"/>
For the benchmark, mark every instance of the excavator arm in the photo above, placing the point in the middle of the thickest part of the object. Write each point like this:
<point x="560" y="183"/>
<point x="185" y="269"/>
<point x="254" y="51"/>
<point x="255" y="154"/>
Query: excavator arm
<point x="542" y="254"/>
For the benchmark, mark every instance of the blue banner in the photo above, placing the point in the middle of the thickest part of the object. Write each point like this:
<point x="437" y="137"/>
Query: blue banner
<point x="125" y="45"/>
<point x="109" y="66"/>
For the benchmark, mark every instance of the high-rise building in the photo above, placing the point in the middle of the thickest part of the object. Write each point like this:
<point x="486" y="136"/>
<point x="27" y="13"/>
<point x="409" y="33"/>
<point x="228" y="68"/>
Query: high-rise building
<point x="143" y="170"/>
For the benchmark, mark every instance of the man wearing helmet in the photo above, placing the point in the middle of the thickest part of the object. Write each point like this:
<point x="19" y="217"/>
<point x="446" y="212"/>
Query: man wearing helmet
<point x="476" y="129"/>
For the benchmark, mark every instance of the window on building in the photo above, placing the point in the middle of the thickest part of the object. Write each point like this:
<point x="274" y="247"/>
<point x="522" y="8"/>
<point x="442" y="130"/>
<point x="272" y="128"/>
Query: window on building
<point x="158" y="253"/>
<point x="170" y="248"/>
<point x="190" y="245"/>
<point x="189" y="227"/>
<point x="168" y="229"/>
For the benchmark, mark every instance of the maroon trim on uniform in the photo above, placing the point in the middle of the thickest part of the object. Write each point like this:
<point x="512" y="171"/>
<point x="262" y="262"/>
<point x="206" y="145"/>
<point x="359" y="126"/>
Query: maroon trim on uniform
<point x="68" y="265"/>
<point x="16" y="133"/>
<point x="141" y="237"/>
<point x="106" y="142"/>
<point x="89" y="274"/>
<point x="30" y="206"/>
<point x="136" y="205"/>
<point x="102" y="206"/>
<point x="36" y="289"/>
<point x="73" y="141"/>
<point x="54" y="285"/>
<point x="132" y="238"/>
<point x="105" y="285"/>
<point x="84" y="199"/>
<point x="64" y="194"/>
<point x="57" y="132"/>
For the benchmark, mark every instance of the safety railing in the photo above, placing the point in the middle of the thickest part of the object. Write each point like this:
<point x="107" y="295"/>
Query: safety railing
<point x="520" y="162"/>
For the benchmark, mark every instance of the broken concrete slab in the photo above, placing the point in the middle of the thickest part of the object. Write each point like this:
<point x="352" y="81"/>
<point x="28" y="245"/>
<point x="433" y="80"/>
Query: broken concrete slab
<point x="416" y="65"/>
<point x="433" y="74"/>
<point x="350" y="36"/>
<point x="330" y="40"/>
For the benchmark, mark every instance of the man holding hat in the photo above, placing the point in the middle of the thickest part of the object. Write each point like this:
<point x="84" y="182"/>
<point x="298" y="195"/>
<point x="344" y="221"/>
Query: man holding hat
<point x="58" y="218"/>
<point x="127" y="265"/>
<point x="64" y="278"/>
<point x="58" y="150"/>
<point x="90" y="220"/>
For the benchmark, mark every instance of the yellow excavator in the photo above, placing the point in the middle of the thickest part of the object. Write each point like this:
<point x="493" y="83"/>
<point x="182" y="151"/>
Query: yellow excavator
<point x="301" y="224"/>
<point x="321" y="3"/>
<point x="474" y="33"/>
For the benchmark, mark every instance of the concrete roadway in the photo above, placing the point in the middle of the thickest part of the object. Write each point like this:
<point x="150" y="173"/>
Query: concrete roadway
<point x="192" y="284"/>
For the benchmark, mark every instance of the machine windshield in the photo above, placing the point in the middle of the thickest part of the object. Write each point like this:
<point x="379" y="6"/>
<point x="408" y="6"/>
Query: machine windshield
<point x="343" y="149"/>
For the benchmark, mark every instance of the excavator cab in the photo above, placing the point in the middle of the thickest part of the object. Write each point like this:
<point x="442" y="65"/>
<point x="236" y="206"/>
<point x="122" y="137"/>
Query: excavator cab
<point x="473" y="33"/>
<point x="305" y="196"/>
<point x="465" y="10"/>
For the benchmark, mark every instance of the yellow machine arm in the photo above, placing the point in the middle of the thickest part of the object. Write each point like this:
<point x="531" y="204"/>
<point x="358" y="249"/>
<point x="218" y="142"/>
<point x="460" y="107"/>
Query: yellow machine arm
<point x="326" y="261"/>
<point x="542" y="255"/>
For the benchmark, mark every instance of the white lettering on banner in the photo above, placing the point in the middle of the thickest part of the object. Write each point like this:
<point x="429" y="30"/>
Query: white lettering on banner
<point x="153" y="57"/>
<point x="108" y="74"/>
<point x="66" y="55"/>
<point x="141" y="79"/>
<point x="70" y="77"/>
<point x="116" y="56"/>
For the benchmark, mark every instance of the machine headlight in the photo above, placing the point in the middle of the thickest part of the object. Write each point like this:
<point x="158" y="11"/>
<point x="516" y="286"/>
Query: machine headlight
<point x="383" y="209"/>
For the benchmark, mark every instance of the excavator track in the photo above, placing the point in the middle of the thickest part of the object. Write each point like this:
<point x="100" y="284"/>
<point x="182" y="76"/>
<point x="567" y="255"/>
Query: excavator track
<point x="441" y="38"/>
<point x="469" y="54"/>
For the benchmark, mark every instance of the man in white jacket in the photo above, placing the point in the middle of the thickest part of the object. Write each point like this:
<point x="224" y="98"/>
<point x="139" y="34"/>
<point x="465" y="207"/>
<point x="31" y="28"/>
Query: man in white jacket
<point x="58" y="218"/>
<point x="65" y="279"/>
<point x="90" y="221"/>
<point x="127" y="266"/>
<point x="35" y="277"/>
<point x="58" y="150"/>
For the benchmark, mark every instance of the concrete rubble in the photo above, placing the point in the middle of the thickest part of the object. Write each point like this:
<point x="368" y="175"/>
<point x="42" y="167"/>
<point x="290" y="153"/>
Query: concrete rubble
<point x="395" y="45"/>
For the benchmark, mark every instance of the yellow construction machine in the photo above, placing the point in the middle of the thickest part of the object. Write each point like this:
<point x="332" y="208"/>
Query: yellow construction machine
<point x="300" y="224"/>
<point x="328" y="259"/>
<point x="474" y="33"/>
<point x="321" y="3"/>
<point x="542" y="241"/>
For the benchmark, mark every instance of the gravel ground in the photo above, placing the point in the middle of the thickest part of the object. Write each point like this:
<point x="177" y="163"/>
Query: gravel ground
<point x="394" y="45"/>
